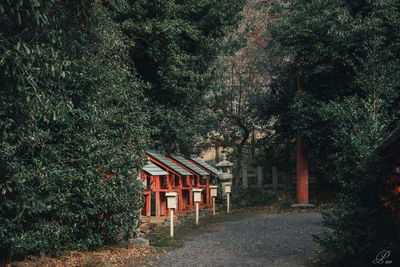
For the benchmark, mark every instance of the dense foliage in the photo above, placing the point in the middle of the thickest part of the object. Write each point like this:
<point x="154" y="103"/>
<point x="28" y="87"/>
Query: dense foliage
<point x="70" y="114"/>
<point x="347" y="56"/>
<point x="256" y="197"/>
<point x="84" y="84"/>
<point x="176" y="42"/>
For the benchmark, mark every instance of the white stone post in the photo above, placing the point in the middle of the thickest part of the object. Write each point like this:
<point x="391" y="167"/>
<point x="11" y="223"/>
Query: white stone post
<point x="171" y="227"/>
<point x="227" y="191"/>
<point x="197" y="199"/>
<point x="197" y="213"/>
<point x="213" y="193"/>
<point x="227" y="202"/>
<point x="171" y="202"/>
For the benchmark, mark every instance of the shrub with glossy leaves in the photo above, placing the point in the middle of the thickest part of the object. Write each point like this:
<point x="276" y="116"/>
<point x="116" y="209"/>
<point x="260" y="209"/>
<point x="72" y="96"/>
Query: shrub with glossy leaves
<point x="70" y="112"/>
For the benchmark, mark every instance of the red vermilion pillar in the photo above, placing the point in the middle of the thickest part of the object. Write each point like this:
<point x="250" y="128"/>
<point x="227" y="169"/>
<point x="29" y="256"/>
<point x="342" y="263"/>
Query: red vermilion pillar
<point x="190" y="184"/>
<point x="302" y="162"/>
<point x="302" y="172"/>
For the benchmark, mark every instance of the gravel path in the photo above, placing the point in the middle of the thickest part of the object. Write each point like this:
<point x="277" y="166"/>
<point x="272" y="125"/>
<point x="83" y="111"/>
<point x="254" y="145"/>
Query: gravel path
<point x="256" y="240"/>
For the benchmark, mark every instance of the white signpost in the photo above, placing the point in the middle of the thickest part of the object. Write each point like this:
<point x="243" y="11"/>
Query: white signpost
<point x="171" y="205"/>
<point x="213" y="193"/>
<point x="227" y="191"/>
<point x="197" y="199"/>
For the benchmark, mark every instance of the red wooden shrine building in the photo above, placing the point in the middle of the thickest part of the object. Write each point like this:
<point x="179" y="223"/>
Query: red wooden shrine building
<point x="202" y="178"/>
<point x="174" y="174"/>
<point x="213" y="172"/>
<point x="180" y="181"/>
<point x="156" y="181"/>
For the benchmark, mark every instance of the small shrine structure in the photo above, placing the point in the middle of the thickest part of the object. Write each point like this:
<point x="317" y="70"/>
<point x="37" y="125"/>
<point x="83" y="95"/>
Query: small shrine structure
<point x="214" y="173"/>
<point x="156" y="181"/>
<point x="202" y="177"/>
<point x="181" y="180"/>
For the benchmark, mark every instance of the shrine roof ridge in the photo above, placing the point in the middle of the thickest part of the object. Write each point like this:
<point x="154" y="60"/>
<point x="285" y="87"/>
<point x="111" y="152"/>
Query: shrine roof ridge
<point x="205" y="165"/>
<point x="189" y="165"/>
<point x="153" y="169"/>
<point x="168" y="163"/>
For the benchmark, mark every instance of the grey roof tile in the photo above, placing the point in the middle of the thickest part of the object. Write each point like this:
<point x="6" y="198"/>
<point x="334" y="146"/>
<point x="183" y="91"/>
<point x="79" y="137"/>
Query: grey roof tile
<point x="173" y="166"/>
<point x="153" y="169"/>
<point x="206" y="166"/>
<point x="189" y="165"/>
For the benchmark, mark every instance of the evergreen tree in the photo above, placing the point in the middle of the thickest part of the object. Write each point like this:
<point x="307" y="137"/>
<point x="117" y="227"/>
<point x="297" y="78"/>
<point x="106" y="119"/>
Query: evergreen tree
<point x="347" y="54"/>
<point x="175" y="45"/>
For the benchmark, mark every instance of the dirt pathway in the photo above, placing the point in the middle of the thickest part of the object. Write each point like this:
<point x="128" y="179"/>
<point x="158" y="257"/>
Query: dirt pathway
<point x="255" y="240"/>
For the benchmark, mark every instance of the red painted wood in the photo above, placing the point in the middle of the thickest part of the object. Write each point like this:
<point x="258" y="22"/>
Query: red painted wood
<point x="302" y="161"/>
<point x="302" y="173"/>
<point x="392" y="154"/>
<point x="148" y="206"/>
<point x="197" y="177"/>
<point x="180" y="201"/>
<point x="208" y="180"/>
<point x="157" y="204"/>
<point x="172" y="184"/>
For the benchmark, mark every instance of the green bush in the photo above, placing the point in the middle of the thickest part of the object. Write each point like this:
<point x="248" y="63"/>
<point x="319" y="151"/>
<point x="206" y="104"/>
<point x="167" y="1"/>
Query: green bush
<point x="70" y="113"/>
<point x="286" y="203"/>
<point x="243" y="197"/>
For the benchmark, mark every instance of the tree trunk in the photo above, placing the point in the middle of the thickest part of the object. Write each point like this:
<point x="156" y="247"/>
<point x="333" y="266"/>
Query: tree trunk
<point x="240" y="150"/>
<point x="253" y="146"/>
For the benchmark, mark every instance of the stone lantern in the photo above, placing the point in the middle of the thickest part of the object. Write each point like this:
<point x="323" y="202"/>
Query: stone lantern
<point x="225" y="167"/>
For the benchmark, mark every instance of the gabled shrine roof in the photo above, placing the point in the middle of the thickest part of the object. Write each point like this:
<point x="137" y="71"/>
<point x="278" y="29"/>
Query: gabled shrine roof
<point x="153" y="169"/>
<point x="166" y="162"/>
<point x="205" y="165"/>
<point x="189" y="165"/>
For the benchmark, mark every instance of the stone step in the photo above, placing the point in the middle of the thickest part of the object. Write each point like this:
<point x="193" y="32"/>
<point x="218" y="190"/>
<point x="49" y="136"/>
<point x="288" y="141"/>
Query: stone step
<point x="147" y="227"/>
<point x="177" y="222"/>
<point x="144" y="228"/>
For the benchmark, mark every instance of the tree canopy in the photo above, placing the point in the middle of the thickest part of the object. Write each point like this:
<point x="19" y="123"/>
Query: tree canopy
<point x="347" y="56"/>
<point x="175" y="44"/>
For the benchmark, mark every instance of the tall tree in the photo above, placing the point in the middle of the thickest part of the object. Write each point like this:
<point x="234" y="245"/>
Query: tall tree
<point x="347" y="52"/>
<point x="242" y="78"/>
<point x="175" y="44"/>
